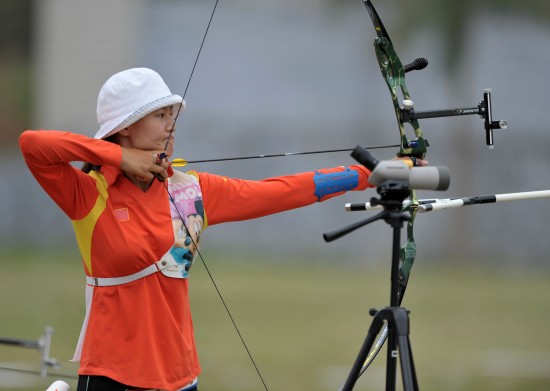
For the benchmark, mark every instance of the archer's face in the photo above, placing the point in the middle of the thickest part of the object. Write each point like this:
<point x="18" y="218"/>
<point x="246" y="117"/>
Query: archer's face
<point x="155" y="131"/>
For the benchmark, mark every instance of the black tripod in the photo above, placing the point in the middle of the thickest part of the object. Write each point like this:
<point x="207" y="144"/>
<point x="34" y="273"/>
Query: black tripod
<point x="392" y="193"/>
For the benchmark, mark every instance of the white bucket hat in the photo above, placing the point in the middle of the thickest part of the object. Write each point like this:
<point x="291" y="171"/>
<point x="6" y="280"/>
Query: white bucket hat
<point x="130" y="95"/>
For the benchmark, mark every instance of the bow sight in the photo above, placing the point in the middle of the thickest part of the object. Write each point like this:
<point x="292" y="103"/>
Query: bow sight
<point x="483" y="109"/>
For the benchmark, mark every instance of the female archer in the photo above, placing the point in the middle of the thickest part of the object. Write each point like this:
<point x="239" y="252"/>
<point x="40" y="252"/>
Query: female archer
<point x="138" y="235"/>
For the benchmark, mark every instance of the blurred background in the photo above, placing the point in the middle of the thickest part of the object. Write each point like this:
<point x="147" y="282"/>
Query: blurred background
<point x="286" y="76"/>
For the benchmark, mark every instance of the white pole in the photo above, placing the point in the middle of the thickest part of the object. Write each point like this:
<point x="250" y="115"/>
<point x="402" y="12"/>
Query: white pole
<point x="440" y="204"/>
<point x="528" y="195"/>
<point x="446" y="203"/>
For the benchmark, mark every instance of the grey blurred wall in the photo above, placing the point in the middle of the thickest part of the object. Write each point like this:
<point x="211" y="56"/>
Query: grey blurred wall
<point x="284" y="76"/>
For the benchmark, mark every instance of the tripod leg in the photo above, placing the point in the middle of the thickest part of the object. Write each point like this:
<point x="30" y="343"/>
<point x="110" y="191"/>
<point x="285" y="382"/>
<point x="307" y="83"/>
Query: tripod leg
<point x="406" y="364"/>
<point x="408" y="372"/>
<point x="374" y="329"/>
<point x="413" y="369"/>
<point x="391" y="361"/>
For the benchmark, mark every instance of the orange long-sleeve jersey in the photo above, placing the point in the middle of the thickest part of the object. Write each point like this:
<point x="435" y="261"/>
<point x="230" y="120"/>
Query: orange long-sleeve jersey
<point x="141" y="333"/>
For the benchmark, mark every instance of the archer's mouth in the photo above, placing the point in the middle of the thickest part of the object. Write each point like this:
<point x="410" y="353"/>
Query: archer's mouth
<point x="167" y="141"/>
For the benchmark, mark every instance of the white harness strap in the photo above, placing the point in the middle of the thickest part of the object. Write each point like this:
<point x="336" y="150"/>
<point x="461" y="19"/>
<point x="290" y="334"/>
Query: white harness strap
<point x="80" y="344"/>
<point x="167" y="266"/>
<point x="111" y="281"/>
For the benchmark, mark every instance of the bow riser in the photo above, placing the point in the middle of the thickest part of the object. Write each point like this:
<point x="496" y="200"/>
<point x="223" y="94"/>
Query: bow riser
<point x="393" y="73"/>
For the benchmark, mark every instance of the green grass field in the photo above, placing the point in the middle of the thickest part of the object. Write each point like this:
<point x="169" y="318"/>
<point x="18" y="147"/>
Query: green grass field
<point x="472" y="328"/>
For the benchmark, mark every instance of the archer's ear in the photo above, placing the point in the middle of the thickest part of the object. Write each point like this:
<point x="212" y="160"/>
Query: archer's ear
<point x="124" y="132"/>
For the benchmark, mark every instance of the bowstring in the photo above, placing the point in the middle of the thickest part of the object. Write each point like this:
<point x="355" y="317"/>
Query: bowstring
<point x="196" y="61"/>
<point x="216" y="287"/>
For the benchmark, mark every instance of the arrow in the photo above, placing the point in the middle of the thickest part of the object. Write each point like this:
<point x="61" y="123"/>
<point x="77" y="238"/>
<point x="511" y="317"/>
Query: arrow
<point x="179" y="162"/>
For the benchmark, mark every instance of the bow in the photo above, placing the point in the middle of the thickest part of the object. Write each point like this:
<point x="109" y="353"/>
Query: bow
<point x="393" y="72"/>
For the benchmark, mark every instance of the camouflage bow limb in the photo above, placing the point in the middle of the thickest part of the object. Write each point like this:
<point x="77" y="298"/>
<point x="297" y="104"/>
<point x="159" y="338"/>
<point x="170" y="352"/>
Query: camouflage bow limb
<point x="393" y="73"/>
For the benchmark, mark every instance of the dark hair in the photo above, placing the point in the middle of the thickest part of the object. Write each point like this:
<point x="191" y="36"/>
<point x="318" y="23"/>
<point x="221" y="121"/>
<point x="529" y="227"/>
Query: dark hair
<point x="87" y="167"/>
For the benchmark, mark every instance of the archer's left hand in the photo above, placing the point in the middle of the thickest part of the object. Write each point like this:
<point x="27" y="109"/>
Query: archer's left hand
<point x="412" y="161"/>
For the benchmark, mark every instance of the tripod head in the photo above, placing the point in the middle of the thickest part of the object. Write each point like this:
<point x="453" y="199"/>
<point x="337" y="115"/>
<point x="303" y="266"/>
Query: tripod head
<point x="392" y="195"/>
<point x="394" y="181"/>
